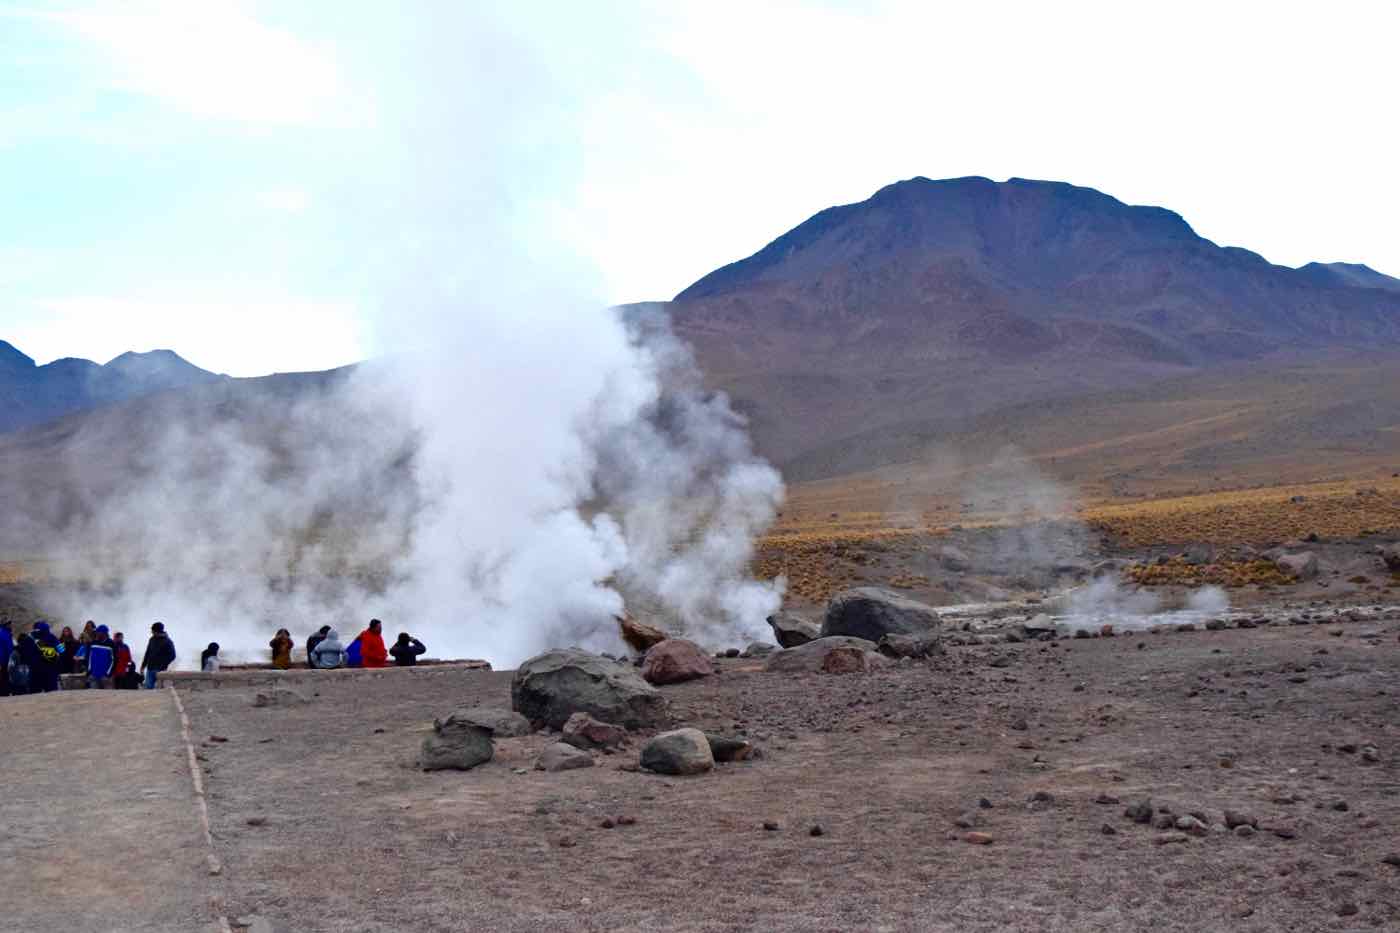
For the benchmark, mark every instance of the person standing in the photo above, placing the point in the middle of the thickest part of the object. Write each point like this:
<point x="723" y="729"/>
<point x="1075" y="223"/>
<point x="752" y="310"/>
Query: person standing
<point x="372" y="650"/>
<point x="312" y="642"/>
<point x="7" y="648"/>
<point x="406" y="650"/>
<point x="43" y="675"/>
<point x="281" y="646"/>
<point x="101" y="660"/>
<point x="209" y="659"/>
<point x="160" y="654"/>
<point x="69" y="652"/>
<point x="124" y="676"/>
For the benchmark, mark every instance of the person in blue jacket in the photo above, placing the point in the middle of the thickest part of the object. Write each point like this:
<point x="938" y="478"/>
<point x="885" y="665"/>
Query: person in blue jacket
<point x="101" y="656"/>
<point x="7" y="648"/>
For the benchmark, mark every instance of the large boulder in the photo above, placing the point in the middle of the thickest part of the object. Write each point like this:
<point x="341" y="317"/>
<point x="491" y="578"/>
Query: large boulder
<point x="501" y="723"/>
<point x="551" y="687"/>
<point x="836" y="654"/>
<point x="675" y="661"/>
<point x="639" y="636"/>
<point x="583" y="731"/>
<point x="683" y="751"/>
<point x="1301" y="566"/>
<point x="872" y="613"/>
<point x="456" y="743"/>
<point x="792" y="630"/>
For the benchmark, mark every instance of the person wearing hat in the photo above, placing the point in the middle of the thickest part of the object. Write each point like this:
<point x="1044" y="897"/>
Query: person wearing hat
<point x="7" y="648"/>
<point x="101" y="660"/>
<point x="160" y="654"/>
<point x="43" y="675"/>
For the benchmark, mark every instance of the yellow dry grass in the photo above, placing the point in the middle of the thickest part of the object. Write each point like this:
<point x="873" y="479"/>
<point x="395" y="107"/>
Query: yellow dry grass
<point x="1255" y="516"/>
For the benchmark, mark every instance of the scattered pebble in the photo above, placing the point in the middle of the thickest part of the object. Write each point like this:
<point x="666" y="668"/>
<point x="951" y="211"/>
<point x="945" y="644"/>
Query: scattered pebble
<point x="816" y="830"/>
<point x="979" y="839"/>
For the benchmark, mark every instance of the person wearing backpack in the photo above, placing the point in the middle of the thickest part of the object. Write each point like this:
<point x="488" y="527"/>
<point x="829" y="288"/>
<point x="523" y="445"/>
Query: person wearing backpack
<point x="7" y="649"/>
<point x="22" y="661"/>
<point x="101" y="658"/>
<point x="124" y="676"/>
<point x="43" y="672"/>
<point x="160" y="654"/>
<point x="328" y="653"/>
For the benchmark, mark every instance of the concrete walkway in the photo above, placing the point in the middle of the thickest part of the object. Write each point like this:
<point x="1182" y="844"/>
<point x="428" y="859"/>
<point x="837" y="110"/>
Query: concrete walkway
<point x="98" y="823"/>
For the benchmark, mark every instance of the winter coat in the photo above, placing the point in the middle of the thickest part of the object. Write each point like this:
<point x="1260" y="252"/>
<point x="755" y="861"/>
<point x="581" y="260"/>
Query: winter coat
<point x="372" y="651"/>
<point x="329" y="652"/>
<point x="7" y="646"/>
<point x="121" y="659"/>
<point x="311" y="643"/>
<point x="160" y="653"/>
<point x="281" y="652"/>
<point x="68" y="655"/>
<point x="406" y="653"/>
<point x="101" y="658"/>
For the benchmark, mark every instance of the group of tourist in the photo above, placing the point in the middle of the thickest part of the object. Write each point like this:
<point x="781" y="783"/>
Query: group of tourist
<point x="36" y="660"/>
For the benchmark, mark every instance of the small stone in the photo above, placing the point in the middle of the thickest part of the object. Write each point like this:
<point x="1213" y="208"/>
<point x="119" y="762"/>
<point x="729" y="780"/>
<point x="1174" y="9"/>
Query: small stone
<point x="1393" y="860"/>
<point x="1347" y="909"/>
<point x="567" y="842"/>
<point x="979" y="839"/>
<point x="983" y="803"/>
<point x="606" y="823"/>
<point x="969" y="820"/>
<point x="1370" y="754"/>
<point x="561" y="757"/>
<point x="626" y="820"/>
<point x="256" y="821"/>
<point x="1284" y="832"/>
<point x="1244" y="830"/>
<point x="770" y="826"/>
<point x="1189" y="824"/>
<point x="1040" y="800"/>
<point x="1108" y="830"/>
<point x="1341" y="806"/>
<point x="1164" y="821"/>
<point x="1168" y="838"/>
<point x="1140" y="812"/>
<point x="1106" y="799"/>
<point x="816" y="830"/>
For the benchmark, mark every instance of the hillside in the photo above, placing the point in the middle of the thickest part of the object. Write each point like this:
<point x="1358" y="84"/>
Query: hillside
<point x="31" y="394"/>
<point x="936" y="302"/>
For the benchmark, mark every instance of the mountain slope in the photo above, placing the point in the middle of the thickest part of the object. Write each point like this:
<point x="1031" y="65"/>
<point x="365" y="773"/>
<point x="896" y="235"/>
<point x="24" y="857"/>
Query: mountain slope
<point x="935" y="301"/>
<point x="31" y="394"/>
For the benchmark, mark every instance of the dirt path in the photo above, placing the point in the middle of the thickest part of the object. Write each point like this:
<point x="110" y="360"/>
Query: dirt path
<point x="99" y="826"/>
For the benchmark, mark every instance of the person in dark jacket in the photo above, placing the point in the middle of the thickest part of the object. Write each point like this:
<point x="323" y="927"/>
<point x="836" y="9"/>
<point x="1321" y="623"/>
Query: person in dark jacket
<point x="101" y="660"/>
<point x="25" y="659"/>
<point x="406" y="650"/>
<point x="43" y="675"/>
<point x="311" y="644"/>
<point x="7" y="648"/>
<point x="160" y="654"/>
<point x="209" y="659"/>
<point x="68" y="656"/>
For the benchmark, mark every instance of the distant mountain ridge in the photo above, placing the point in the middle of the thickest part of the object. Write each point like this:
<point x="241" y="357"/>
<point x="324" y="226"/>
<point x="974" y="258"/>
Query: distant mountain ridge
<point x="32" y="394"/>
<point x="933" y="301"/>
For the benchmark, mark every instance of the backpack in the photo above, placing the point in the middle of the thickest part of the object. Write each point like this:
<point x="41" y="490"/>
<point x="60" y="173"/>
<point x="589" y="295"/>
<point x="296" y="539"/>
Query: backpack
<point x="48" y="654"/>
<point x="352" y="654"/>
<point x="18" y="673"/>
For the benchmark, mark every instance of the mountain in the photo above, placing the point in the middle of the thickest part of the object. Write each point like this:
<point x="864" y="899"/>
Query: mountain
<point x="31" y="394"/>
<point x="934" y="302"/>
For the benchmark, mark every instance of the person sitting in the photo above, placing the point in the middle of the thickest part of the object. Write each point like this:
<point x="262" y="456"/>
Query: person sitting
<point x="209" y="659"/>
<point x="329" y="653"/>
<point x="312" y="642"/>
<point x="281" y="646"/>
<point x="406" y="650"/>
<point x="372" y="650"/>
<point x="101" y="660"/>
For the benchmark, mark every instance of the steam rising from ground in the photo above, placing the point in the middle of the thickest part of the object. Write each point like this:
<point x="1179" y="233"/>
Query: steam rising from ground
<point x="495" y="496"/>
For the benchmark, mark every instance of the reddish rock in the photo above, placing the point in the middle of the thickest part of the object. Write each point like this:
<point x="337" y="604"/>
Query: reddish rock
<point x="639" y="636"/>
<point x="674" y="661"/>
<point x="844" y="661"/>
<point x="583" y="731"/>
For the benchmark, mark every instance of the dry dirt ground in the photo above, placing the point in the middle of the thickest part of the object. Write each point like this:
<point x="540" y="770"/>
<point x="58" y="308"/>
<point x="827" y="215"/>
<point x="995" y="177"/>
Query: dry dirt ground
<point x="324" y="824"/>
<point x="98" y="832"/>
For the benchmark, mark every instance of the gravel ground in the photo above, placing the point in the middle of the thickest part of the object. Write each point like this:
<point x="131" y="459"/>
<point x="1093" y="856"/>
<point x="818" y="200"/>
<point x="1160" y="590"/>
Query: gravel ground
<point x="324" y="823"/>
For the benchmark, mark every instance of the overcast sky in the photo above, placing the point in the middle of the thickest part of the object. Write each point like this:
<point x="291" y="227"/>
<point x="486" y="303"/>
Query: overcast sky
<point x="262" y="186"/>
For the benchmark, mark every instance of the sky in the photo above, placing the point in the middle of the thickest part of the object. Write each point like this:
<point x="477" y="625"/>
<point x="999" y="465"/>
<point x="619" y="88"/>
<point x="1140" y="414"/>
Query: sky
<point x="272" y="187"/>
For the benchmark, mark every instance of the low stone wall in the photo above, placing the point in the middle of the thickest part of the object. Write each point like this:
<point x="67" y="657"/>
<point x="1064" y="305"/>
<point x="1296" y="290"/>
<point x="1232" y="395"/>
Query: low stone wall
<point x="271" y="677"/>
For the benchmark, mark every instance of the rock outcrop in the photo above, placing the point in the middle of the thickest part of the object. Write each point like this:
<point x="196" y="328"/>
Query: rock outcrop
<point x="551" y="687"/>
<point x="872" y="613"/>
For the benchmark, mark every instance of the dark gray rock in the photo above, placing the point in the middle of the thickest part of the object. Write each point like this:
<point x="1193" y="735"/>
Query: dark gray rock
<point x="792" y="630"/>
<point x="1140" y="812"/>
<point x="1301" y="566"/>
<point x="925" y="645"/>
<point x="457" y="743"/>
<point x="954" y="558"/>
<point x="729" y="747"/>
<point x="682" y="751"/>
<point x="872" y="613"/>
<point x="759" y="649"/>
<point x="501" y="723"/>
<point x="551" y="687"/>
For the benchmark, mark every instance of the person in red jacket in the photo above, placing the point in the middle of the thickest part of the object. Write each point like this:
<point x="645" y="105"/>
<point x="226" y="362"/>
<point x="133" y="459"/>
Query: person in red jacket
<point x="372" y="650"/>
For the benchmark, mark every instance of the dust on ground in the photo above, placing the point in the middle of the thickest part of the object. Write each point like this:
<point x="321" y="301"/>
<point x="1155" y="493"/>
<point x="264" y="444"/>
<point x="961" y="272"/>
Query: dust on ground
<point x="324" y="823"/>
